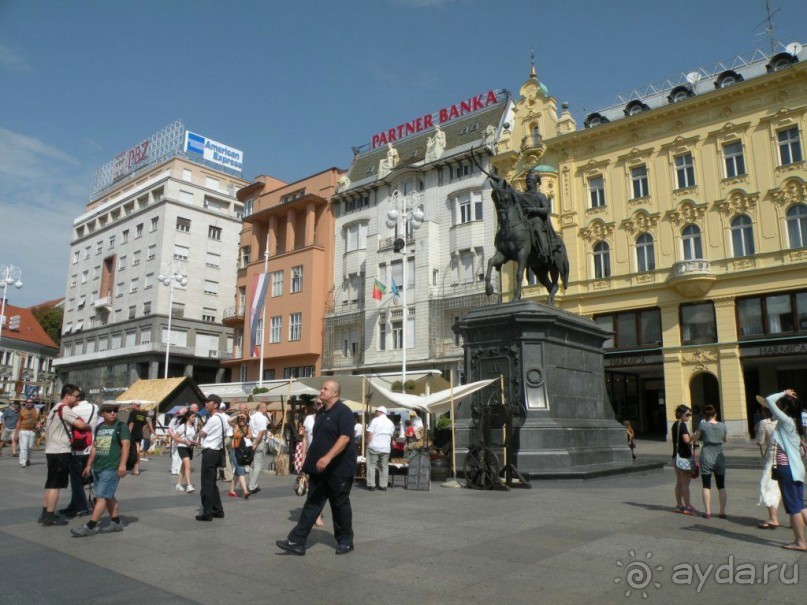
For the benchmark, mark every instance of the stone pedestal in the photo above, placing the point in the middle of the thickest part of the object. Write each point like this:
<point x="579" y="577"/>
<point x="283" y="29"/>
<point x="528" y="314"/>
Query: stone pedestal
<point x="552" y="364"/>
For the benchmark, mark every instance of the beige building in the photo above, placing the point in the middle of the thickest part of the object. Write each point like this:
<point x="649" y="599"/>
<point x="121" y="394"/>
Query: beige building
<point x="684" y="213"/>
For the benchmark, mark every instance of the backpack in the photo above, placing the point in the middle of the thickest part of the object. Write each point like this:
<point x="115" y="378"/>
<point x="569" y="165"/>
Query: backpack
<point x="80" y="440"/>
<point x="244" y="454"/>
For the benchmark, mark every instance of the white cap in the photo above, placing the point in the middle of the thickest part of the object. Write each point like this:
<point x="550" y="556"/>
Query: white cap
<point x="382" y="409"/>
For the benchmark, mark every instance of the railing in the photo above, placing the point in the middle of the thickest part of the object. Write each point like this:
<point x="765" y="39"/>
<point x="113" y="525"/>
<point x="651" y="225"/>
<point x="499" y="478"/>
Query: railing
<point x="691" y="267"/>
<point x="236" y="312"/>
<point x="532" y="140"/>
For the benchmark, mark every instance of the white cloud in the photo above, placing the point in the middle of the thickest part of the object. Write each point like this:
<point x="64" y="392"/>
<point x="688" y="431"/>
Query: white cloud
<point x="11" y="60"/>
<point x="42" y="189"/>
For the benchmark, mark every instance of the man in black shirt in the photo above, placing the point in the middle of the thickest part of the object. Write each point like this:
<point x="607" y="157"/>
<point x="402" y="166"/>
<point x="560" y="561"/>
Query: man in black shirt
<point x="138" y="419"/>
<point x="331" y="465"/>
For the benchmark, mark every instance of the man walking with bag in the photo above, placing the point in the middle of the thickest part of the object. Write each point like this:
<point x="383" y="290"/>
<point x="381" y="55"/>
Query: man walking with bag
<point x="331" y="466"/>
<point x="215" y="431"/>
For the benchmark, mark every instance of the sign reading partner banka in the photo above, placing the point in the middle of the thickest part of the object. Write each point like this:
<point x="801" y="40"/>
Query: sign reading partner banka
<point x="213" y="151"/>
<point x="446" y="114"/>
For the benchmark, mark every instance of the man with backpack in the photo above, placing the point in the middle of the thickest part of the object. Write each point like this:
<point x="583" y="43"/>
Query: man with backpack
<point x="107" y="463"/>
<point x="78" y="507"/>
<point x="58" y="451"/>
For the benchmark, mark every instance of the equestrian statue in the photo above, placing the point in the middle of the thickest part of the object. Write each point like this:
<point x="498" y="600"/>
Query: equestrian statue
<point x="526" y="235"/>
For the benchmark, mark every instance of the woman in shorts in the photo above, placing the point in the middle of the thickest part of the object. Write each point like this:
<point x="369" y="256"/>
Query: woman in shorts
<point x="186" y="437"/>
<point x="713" y="433"/>
<point x="788" y="467"/>
<point x="682" y="446"/>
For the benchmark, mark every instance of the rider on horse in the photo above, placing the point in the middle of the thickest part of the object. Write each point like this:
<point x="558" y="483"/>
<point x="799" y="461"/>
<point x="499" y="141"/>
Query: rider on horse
<point x="535" y="206"/>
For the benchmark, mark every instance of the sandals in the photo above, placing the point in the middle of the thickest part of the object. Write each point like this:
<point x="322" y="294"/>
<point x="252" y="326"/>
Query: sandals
<point x="767" y="525"/>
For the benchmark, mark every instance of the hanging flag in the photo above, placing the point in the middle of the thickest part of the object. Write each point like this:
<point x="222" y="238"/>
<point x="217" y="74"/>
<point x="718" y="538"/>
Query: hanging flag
<point x="394" y="291"/>
<point x="260" y="284"/>
<point x="379" y="290"/>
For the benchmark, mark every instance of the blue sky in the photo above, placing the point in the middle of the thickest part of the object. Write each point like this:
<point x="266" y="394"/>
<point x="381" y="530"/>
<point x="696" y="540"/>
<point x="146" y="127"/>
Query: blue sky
<point x="296" y="84"/>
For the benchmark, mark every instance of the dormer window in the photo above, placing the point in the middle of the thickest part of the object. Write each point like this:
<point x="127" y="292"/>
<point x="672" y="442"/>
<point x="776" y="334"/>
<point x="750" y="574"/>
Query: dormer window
<point x="680" y="93"/>
<point x="635" y="107"/>
<point x="727" y="78"/>
<point x="780" y="61"/>
<point x="594" y="119"/>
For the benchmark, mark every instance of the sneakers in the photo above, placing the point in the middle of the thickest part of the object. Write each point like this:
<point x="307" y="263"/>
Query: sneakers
<point x="179" y="488"/>
<point x="112" y="528"/>
<point x="144" y="460"/>
<point x="190" y="489"/>
<point x="84" y="531"/>
<point x="51" y="520"/>
<point x="690" y="510"/>
<point x="288" y="546"/>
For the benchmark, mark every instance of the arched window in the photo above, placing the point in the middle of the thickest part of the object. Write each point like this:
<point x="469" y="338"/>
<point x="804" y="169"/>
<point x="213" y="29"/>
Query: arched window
<point x="742" y="236"/>
<point x="602" y="260"/>
<point x="691" y="237"/>
<point x="645" y="256"/>
<point x="797" y="226"/>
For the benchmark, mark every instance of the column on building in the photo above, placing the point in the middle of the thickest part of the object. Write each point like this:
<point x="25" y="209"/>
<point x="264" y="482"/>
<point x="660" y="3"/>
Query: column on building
<point x="310" y="223"/>
<point x="291" y="217"/>
<point x="730" y="377"/>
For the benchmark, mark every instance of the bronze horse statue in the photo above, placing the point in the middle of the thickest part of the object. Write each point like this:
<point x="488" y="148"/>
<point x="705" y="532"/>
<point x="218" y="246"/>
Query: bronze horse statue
<point x="515" y="242"/>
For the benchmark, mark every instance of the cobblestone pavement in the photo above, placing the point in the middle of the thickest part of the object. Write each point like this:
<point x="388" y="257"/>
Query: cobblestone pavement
<point x="560" y="542"/>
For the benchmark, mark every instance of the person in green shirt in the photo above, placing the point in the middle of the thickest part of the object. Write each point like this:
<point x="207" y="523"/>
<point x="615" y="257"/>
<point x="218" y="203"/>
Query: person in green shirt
<point x="107" y="462"/>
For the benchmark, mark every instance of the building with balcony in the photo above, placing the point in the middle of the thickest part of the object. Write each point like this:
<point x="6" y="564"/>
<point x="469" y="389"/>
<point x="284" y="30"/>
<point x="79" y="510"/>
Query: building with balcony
<point x="288" y="234"/>
<point x="26" y="356"/>
<point x="446" y="256"/>
<point x="171" y="200"/>
<point x="684" y="212"/>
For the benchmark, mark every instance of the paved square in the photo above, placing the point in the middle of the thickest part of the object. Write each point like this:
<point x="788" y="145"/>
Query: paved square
<point x="561" y="542"/>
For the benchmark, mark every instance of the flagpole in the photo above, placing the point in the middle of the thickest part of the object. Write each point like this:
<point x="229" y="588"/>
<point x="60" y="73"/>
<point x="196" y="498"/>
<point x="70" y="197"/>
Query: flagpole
<point x="263" y="311"/>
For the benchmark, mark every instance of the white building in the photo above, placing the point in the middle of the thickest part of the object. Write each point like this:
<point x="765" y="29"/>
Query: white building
<point x="447" y="256"/>
<point x="160" y="205"/>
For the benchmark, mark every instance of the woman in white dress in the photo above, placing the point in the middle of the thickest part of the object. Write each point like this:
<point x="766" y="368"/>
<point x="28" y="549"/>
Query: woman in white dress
<point x="769" y="495"/>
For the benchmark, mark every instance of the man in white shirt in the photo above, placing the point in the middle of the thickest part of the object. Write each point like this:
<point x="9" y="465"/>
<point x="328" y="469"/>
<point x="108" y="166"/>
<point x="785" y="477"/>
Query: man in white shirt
<point x="212" y="436"/>
<point x="258" y="426"/>
<point x="379" y="444"/>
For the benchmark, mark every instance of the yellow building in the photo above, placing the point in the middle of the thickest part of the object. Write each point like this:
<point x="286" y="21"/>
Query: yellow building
<point x="684" y="213"/>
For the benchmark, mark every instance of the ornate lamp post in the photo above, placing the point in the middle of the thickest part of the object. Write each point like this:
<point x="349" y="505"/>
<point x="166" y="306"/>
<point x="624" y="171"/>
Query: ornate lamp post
<point x="404" y="213"/>
<point x="9" y="274"/>
<point x="172" y="273"/>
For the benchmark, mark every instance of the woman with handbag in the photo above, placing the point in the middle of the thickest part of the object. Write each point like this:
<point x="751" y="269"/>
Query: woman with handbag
<point x="241" y="432"/>
<point x="713" y="434"/>
<point x="788" y="466"/>
<point x="683" y="460"/>
<point x="769" y="495"/>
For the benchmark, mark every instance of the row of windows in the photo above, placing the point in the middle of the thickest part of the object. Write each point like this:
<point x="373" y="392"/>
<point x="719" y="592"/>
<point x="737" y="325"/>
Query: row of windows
<point x="276" y="279"/>
<point x="642" y="328"/>
<point x="276" y="327"/>
<point x="742" y="239"/>
<point x="206" y="344"/>
<point x="295" y="372"/>
<point x="774" y="314"/>
<point x="99" y="245"/>
<point x="790" y="152"/>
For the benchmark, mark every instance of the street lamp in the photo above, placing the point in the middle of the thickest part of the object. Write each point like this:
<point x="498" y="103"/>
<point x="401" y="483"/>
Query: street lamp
<point x="9" y="275"/>
<point x="172" y="273"/>
<point x="404" y="212"/>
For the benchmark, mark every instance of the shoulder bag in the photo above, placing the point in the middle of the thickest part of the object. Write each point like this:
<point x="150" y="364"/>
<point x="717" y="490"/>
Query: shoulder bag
<point x="681" y="463"/>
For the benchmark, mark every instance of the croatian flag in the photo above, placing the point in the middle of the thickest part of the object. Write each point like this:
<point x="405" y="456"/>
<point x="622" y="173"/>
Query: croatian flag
<point x="260" y="284"/>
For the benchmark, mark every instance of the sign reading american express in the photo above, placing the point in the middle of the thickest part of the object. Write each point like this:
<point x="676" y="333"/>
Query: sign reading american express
<point x="213" y="151"/>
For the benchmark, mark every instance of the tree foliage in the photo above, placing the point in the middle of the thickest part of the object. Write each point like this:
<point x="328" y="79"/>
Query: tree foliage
<point x="50" y="318"/>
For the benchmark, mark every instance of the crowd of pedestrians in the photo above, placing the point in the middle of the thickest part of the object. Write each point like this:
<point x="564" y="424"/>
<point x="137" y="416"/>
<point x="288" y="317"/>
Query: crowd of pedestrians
<point x="780" y="434"/>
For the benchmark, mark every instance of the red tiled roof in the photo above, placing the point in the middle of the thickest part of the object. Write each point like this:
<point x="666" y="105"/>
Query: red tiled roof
<point x="30" y="330"/>
<point x="48" y="304"/>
